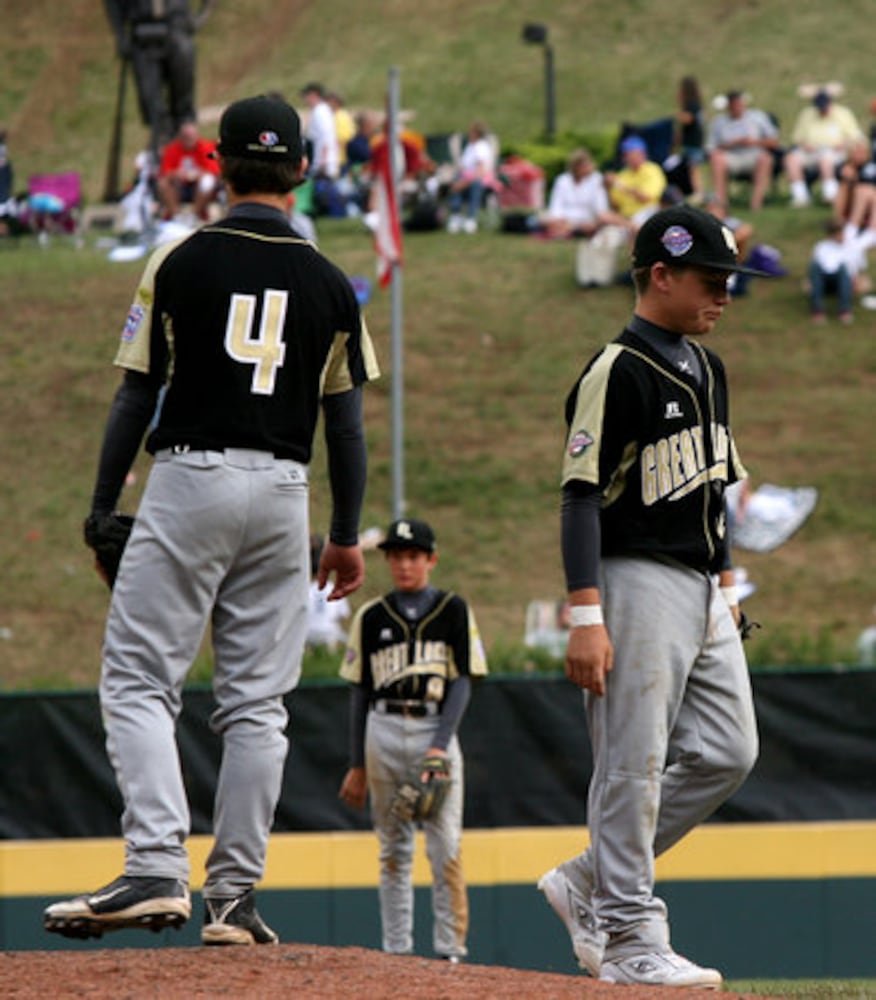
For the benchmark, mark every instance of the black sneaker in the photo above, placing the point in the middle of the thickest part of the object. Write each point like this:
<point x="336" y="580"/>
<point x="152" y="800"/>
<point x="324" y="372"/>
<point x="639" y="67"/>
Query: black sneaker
<point x="131" y="901"/>
<point x="235" y="921"/>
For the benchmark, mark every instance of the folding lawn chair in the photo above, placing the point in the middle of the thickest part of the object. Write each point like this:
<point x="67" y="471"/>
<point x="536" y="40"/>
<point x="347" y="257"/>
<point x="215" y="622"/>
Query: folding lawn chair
<point x="53" y="203"/>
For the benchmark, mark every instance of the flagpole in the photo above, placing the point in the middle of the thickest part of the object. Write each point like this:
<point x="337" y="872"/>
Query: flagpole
<point x="398" y="459"/>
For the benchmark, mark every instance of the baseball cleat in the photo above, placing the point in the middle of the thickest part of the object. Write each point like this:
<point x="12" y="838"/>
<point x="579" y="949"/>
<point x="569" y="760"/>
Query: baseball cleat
<point x="660" y="969"/>
<point x="577" y="913"/>
<point x="235" y="921"/>
<point x="131" y="901"/>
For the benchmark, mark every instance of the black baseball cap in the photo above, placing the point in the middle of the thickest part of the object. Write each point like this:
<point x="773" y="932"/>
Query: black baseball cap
<point x="688" y="237"/>
<point x="407" y="533"/>
<point x="261" y="128"/>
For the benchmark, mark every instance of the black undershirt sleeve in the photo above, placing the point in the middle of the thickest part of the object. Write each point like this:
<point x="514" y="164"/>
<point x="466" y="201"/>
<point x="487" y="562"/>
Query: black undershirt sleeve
<point x="580" y="534"/>
<point x="347" y="462"/>
<point x="453" y="708"/>
<point x="727" y="561"/>
<point x="132" y="409"/>
<point x="358" y="716"/>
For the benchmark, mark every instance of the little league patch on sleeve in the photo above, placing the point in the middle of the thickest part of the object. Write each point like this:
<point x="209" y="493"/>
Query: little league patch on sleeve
<point x="132" y="323"/>
<point x="579" y="443"/>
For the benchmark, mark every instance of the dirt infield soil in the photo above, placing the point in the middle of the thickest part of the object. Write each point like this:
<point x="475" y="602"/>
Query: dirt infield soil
<point x="306" y="972"/>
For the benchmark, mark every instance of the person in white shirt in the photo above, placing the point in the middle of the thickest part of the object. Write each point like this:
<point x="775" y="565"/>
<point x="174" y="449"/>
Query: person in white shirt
<point x="325" y="618"/>
<point x="742" y="140"/>
<point x="578" y="208"/>
<point x="832" y="267"/>
<point x="320" y="133"/>
<point x="477" y="171"/>
<point x="578" y="204"/>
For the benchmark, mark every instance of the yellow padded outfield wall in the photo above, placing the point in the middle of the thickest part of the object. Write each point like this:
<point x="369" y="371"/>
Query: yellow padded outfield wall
<point x="508" y="856"/>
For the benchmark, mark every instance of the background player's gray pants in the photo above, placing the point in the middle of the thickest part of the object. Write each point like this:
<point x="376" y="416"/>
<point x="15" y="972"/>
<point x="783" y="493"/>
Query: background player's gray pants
<point x="673" y="737"/>
<point x="222" y="534"/>
<point x="392" y="745"/>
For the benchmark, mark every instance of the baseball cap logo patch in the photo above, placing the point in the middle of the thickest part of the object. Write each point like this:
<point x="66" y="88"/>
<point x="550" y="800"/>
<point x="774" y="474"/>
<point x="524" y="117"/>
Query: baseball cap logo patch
<point x="729" y="239"/>
<point x="677" y="241"/>
<point x="260" y="128"/>
<point x="409" y="534"/>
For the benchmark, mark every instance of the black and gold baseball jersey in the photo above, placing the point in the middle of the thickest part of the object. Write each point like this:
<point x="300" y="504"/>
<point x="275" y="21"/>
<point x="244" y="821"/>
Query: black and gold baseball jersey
<point x="656" y="441"/>
<point x="392" y="657"/>
<point x="292" y="332"/>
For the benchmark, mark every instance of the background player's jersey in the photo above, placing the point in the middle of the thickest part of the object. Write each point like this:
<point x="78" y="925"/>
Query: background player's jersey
<point x="392" y="657"/>
<point x="658" y="446"/>
<point x="249" y="338"/>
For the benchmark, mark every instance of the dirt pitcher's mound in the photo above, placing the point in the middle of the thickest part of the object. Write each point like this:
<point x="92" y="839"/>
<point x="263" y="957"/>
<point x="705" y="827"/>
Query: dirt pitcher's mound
<point x="306" y="972"/>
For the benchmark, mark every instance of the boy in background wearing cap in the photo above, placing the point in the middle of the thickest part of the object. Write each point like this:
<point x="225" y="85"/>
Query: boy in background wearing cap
<point x="411" y="657"/>
<point x="654" y="642"/>
<point x="250" y="329"/>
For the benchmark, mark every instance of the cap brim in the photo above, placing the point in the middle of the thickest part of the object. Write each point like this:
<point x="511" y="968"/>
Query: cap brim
<point x="388" y="546"/>
<point x="736" y="269"/>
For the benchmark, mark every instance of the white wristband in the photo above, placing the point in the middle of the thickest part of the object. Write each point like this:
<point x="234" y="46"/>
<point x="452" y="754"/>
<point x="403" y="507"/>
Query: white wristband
<point x="585" y="614"/>
<point x="731" y="595"/>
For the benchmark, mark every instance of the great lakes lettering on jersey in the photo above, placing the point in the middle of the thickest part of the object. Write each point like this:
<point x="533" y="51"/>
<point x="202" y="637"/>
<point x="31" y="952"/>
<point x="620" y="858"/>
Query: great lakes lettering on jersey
<point x="677" y="464"/>
<point x="391" y="656"/>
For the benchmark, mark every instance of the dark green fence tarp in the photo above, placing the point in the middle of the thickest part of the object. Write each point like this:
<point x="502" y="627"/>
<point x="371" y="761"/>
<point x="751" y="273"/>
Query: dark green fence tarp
<point x="525" y="743"/>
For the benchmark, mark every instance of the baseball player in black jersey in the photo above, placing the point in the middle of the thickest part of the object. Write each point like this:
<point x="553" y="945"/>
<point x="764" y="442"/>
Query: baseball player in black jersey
<point x="654" y="642"/>
<point x="249" y="329"/>
<point x="411" y="657"/>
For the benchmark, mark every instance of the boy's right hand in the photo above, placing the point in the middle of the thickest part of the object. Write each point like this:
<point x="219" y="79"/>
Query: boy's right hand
<point x="354" y="788"/>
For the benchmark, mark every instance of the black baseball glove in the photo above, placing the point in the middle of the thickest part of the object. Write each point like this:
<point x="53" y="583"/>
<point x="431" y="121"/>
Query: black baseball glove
<point x="424" y="790"/>
<point x="107" y="535"/>
<point x="746" y="626"/>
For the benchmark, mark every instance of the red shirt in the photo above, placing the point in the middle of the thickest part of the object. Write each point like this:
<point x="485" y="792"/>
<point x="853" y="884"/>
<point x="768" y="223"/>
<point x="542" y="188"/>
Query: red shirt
<point x="190" y="163"/>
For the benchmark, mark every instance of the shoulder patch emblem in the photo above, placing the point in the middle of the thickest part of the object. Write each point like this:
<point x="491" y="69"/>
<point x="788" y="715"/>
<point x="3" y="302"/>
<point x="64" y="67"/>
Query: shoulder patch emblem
<point x="581" y="441"/>
<point x="132" y="323"/>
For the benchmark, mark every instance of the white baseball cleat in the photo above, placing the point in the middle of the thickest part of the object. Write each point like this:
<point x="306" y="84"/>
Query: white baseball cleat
<point x="577" y="913"/>
<point x="660" y="969"/>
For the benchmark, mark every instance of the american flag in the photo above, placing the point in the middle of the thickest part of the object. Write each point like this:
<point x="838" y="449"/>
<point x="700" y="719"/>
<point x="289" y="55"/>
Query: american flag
<point x="387" y="235"/>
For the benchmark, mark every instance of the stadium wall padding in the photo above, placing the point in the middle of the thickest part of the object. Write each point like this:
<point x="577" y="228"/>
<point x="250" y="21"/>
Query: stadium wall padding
<point x="525" y="743"/>
<point x="780" y="884"/>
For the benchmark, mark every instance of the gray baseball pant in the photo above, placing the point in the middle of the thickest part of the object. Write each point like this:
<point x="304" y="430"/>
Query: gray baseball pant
<point x="673" y="737"/>
<point x="393" y="744"/>
<point x="221" y="538"/>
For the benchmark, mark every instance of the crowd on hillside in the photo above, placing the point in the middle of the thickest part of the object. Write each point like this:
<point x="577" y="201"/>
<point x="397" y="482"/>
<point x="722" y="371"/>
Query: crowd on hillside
<point x="719" y="153"/>
<point x="827" y="156"/>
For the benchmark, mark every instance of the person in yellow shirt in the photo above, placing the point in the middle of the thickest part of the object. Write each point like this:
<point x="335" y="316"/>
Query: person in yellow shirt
<point x="634" y="192"/>
<point x="823" y="135"/>
<point x="345" y="125"/>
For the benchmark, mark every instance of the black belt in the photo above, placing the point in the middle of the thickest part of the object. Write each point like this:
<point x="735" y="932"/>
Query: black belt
<point x="410" y="709"/>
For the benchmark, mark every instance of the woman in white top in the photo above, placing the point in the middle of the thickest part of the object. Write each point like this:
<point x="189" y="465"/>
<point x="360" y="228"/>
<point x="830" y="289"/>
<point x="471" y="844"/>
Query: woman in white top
<point x="477" y="171"/>
<point x="578" y="204"/>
